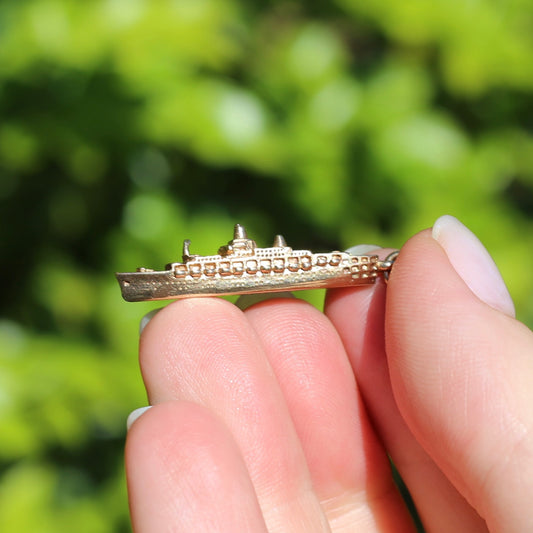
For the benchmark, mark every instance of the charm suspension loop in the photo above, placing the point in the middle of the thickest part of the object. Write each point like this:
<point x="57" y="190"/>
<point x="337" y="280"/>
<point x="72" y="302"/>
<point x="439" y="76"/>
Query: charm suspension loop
<point x="386" y="266"/>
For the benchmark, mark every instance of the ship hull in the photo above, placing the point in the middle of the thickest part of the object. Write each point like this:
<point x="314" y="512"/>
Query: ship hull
<point x="178" y="282"/>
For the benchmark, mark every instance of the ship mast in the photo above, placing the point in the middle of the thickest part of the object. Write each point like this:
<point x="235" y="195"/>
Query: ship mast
<point x="186" y="256"/>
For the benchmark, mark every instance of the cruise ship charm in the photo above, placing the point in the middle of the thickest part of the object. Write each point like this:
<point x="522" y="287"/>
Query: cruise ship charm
<point x="241" y="267"/>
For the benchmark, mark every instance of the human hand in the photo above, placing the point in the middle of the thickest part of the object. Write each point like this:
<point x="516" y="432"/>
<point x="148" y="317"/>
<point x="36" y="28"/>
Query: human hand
<point x="281" y="418"/>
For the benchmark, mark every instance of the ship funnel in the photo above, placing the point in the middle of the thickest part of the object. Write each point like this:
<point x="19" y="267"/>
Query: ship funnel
<point x="239" y="232"/>
<point x="279" y="241"/>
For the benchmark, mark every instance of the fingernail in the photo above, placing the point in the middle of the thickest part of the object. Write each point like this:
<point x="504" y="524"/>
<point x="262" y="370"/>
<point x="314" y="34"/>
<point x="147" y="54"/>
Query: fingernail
<point x="147" y="317"/>
<point x="247" y="300"/>
<point x="473" y="263"/>
<point x="136" y="414"/>
<point x="363" y="249"/>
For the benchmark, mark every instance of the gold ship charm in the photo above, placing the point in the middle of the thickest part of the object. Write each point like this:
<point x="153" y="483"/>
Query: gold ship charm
<point x="240" y="267"/>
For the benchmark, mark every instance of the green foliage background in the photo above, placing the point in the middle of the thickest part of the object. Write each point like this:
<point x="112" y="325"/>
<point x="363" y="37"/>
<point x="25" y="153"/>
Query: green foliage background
<point x="127" y="125"/>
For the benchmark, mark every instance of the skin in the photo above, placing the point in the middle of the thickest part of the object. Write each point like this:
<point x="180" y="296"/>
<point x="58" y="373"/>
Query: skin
<point x="281" y="418"/>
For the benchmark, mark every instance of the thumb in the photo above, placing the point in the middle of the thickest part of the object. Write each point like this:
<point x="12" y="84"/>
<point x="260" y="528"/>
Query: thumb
<point x="462" y="371"/>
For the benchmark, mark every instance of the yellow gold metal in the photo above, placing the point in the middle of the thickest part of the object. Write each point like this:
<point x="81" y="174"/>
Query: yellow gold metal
<point x="240" y="267"/>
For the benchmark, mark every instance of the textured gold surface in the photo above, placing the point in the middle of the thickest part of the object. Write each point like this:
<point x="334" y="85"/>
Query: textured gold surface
<point x="240" y="267"/>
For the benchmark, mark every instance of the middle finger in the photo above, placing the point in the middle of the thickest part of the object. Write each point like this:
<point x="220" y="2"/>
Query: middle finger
<point x="350" y="470"/>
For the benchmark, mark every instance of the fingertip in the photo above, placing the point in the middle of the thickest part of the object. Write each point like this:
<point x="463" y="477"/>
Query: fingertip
<point x="186" y="473"/>
<point x="473" y="263"/>
<point x="172" y="423"/>
<point x="184" y="338"/>
<point x="135" y="414"/>
<point x="145" y="320"/>
<point x="446" y="264"/>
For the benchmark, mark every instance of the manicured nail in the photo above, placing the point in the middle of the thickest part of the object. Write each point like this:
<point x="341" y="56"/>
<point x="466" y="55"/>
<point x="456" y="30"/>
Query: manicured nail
<point x="247" y="300"/>
<point x="136" y="414"/>
<point x="363" y="249"/>
<point x="473" y="263"/>
<point x="147" y="317"/>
